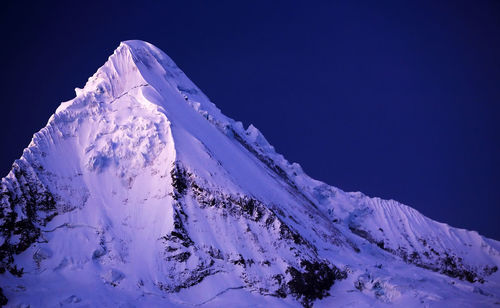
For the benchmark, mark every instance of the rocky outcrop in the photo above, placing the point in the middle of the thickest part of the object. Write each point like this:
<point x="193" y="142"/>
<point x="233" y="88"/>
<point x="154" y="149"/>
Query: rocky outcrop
<point x="26" y="205"/>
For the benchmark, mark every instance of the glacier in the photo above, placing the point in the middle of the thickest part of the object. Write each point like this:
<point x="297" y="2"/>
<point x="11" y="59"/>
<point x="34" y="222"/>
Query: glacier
<point x="139" y="192"/>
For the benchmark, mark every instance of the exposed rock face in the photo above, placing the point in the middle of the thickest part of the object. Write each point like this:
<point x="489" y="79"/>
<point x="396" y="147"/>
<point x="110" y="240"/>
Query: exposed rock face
<point x="141" y="191"/>
<point x="305" y="276"/>
<point x="26" y="206"/>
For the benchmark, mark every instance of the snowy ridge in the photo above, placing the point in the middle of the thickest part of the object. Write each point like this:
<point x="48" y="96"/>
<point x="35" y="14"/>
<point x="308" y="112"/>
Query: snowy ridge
<point x="140" y="187"/>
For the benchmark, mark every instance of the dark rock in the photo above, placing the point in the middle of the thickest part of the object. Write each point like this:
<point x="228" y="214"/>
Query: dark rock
<point x="313" y="282"/>
<point x="25" y="206"/>
<point x="3" y="299"/>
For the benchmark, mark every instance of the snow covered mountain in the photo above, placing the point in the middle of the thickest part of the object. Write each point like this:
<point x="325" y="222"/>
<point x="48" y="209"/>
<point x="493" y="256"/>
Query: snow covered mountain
<point x="140" y="192"/>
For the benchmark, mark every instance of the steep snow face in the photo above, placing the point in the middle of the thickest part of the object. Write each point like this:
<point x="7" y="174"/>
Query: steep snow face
<point x="141" y="191"/>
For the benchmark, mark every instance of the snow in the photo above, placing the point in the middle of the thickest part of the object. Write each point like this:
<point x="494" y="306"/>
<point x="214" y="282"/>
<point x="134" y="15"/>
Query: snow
<point x="128" y="233"/>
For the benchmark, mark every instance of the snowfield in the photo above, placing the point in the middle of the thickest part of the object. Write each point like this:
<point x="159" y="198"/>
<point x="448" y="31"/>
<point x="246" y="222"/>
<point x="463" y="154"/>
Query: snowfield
<point x="139" y="192"/>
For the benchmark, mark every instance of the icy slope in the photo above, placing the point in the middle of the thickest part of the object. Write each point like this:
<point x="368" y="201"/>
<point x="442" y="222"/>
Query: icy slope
<point x="141" y="191"/>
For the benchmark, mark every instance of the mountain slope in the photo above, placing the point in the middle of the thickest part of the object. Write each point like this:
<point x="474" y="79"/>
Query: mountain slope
<point x="140" y="191"/>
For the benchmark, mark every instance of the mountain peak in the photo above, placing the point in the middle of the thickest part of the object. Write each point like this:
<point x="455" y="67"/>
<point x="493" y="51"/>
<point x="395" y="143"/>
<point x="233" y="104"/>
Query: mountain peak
<point x="138" y="44"/>
<point x="137" y="63"/>
<point x="137" y="47"/>
<point x="141" y="189"/>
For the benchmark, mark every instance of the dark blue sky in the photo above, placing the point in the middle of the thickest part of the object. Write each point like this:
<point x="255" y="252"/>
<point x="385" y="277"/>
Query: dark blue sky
<point x="397" y="99"/>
